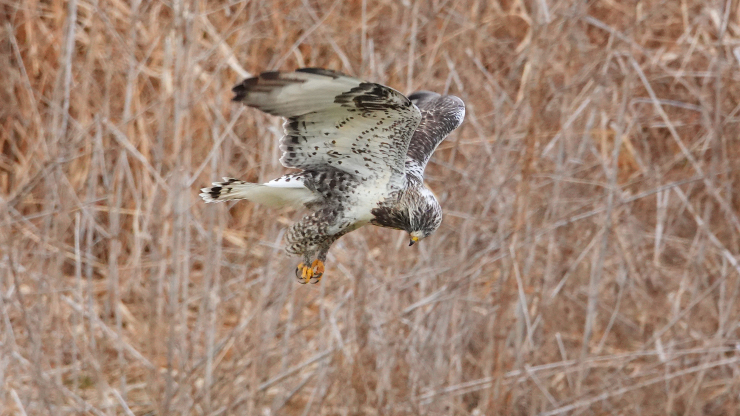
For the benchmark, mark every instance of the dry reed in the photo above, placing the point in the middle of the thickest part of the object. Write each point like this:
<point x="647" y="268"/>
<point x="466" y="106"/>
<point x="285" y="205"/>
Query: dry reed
<point x="587" y="263"/>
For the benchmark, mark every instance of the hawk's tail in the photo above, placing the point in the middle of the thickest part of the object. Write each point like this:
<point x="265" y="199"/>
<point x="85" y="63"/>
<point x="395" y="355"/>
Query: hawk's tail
<point x="227" y="190"/>
<point x="275" y="193"/>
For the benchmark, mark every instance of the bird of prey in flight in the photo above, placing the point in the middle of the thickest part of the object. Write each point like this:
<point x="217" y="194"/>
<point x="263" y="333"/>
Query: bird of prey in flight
<point x="360" y="148"/>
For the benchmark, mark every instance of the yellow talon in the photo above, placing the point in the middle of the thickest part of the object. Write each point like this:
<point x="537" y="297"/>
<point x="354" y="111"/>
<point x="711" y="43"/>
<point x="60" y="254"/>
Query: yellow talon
<point x="311" y="274"/>
<point x="303" y="273"/>
<point x="317" y="270"/>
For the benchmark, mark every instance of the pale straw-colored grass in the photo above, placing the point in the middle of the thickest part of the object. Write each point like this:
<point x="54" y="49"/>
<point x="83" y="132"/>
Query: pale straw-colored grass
<point x="587" y="263"/>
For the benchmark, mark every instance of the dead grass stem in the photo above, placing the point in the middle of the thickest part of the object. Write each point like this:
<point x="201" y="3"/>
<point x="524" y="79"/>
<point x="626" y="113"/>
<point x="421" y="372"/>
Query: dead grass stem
<point x="587" y="263"/>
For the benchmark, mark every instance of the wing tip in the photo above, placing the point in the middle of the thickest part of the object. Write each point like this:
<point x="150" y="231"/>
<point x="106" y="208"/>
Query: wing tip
<point x="321" y="71"/>
<point x="422" y="95"/>
<point x="265" y="82"/>
<point x="241" y="89"/>
<point x="460" y="103"/>
<point x="434" y="99"/>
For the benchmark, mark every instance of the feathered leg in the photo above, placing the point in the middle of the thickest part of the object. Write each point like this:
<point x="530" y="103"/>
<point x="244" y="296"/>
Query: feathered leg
<point x="313" y="271"/>
<point x="309" y="238"/>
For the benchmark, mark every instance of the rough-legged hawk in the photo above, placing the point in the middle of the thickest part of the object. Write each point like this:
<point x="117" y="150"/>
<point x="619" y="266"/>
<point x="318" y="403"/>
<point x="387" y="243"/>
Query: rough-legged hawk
<point x="361" y="147"/>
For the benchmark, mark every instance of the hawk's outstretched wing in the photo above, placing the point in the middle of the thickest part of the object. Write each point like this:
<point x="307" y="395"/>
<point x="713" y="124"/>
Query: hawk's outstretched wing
<point x="440" y="115"/>
<point x="334" y="120"/>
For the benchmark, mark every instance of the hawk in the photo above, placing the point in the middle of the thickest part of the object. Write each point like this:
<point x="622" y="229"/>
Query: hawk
<point x="361" y="149"/>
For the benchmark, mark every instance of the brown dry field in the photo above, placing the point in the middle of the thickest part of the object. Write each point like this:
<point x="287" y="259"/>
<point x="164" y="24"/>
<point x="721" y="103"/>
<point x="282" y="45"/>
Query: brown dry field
<point x="587" y="263"/>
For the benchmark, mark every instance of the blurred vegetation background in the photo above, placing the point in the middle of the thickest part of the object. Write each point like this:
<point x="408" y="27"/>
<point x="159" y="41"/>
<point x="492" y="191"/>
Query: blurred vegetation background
<point x="587" y="262"/>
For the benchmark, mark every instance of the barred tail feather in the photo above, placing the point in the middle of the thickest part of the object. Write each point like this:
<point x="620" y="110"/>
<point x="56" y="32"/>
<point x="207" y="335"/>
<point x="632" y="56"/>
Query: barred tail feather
<point x="274" y="194"/>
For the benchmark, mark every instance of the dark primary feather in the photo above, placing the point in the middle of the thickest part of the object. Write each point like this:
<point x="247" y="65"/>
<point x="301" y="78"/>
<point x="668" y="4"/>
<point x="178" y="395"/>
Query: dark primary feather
<point x="440" y="115"/>
<point x="321" y="71"/>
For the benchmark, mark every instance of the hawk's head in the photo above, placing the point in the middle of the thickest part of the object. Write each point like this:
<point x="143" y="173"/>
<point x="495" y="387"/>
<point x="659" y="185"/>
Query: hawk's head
<point x="425" y="216"/>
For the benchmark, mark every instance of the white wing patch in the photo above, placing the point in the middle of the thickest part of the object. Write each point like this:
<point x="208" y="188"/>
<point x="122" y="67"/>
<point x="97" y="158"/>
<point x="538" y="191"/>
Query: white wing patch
<point x="337" y="121"/>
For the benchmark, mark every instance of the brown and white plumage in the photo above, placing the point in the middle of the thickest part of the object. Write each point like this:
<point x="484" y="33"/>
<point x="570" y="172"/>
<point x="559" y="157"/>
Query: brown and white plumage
<point x="361" y="147"/>
<point x="440" y="115"/>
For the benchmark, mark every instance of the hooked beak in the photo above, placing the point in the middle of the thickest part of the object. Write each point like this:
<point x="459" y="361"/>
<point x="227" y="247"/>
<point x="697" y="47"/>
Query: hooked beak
<point x="413" y="240"/>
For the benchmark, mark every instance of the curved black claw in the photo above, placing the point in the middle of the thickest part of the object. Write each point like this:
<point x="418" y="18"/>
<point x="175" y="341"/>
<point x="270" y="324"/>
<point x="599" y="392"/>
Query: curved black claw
<point x="303" y="273"/>
<point x="316" y="278"/>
